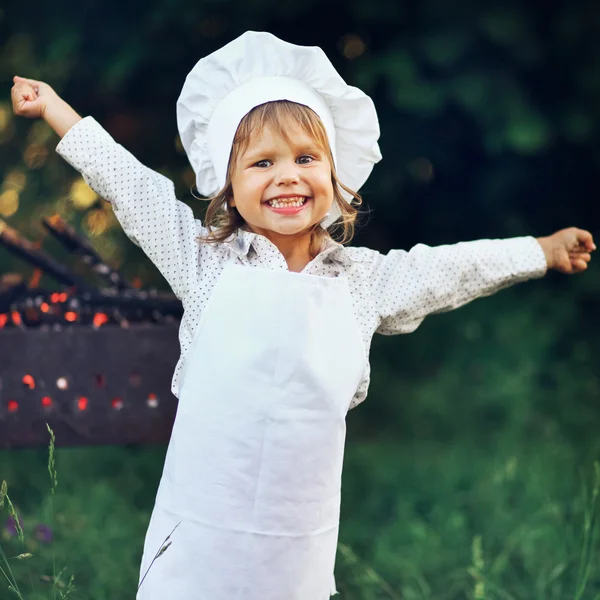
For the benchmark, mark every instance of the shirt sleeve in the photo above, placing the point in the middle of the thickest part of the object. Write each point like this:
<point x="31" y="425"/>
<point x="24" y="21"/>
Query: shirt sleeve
<point x="143" y="201"/>
<point x="408" y="286"/>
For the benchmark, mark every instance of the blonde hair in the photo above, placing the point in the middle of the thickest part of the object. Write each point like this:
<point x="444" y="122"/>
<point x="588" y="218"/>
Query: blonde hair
<point x="223" y="220"/>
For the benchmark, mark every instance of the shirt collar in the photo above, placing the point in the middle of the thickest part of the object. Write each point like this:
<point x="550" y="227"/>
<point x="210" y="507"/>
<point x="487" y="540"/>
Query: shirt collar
<point x="241" y="242"/>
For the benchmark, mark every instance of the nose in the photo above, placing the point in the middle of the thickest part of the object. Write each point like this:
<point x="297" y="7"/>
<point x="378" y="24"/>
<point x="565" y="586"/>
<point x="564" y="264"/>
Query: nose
<point x="287" y="174"/>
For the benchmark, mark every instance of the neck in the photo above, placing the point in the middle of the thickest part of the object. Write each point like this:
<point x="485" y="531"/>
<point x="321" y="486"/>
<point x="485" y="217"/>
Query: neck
<point x="295" y="249"/>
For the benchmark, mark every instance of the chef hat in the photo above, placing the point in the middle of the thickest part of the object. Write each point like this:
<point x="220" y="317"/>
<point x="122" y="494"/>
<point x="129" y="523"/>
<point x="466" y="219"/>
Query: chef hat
<point x="258" y="67"/>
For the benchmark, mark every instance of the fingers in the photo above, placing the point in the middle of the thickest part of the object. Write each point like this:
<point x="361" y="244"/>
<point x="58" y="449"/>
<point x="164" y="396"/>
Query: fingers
<point x="586" y="256"/>
<point x="32" y="82"/>
<point x="25" y="93"/>
<point x="579" y="261"/>
<point x="22" y="93"/>
<point x="576" y="263"/>
<point x="25" y="101"/>
<point x="24" y="84"/>
<point x="585" y="239"/>
<point x="579" y="265"/>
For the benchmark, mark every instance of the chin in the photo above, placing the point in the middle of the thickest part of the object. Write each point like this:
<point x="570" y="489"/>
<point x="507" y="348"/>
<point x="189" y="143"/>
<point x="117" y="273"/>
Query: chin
<point x="290" y="229"/>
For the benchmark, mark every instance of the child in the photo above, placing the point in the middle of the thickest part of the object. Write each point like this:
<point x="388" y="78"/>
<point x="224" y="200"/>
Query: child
<point x="278" y="317"/>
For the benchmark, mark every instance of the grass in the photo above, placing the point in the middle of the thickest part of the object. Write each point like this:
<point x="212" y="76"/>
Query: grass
<point x="57" y="587"/>
<point x="447" y="524"/>
<point x="419" y="521"/>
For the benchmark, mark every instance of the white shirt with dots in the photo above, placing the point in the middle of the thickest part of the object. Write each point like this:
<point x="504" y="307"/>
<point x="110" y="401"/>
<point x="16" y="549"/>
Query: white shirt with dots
<point x="391" y="293"/>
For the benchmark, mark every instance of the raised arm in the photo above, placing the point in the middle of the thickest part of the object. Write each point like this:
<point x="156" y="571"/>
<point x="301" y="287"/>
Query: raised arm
<point x="143" y="200"/>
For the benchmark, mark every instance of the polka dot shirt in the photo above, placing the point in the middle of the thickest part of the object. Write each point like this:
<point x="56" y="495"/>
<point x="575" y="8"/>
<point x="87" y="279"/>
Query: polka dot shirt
<point x="391" y="293"/>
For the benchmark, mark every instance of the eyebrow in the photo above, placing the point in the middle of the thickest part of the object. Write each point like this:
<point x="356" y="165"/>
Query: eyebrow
<point x="255" y="154"/>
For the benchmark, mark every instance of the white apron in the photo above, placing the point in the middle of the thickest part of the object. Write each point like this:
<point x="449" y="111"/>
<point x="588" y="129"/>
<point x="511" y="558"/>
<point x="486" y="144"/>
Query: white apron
<point x="254" y="464"/>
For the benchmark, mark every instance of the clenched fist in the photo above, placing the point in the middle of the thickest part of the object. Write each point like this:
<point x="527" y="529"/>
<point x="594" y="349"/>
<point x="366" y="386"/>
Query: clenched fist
<point x="568" y="250"/>
<point x="36" y="99"/>
<point x="30" y="98"/>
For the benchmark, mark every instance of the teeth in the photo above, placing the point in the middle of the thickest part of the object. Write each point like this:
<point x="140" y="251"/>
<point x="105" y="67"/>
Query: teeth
<point x="287" y="202"/>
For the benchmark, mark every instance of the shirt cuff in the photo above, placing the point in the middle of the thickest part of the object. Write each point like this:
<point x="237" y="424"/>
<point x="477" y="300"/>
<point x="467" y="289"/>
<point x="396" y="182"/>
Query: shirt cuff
<point x="81" y="143"/>
<point x="527" y="257"/>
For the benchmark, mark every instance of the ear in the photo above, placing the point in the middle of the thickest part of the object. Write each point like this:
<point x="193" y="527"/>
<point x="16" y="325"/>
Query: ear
<point x="231" y="201"/>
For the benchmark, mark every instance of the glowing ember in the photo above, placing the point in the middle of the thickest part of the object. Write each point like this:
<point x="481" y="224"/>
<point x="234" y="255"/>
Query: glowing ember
<point x="57" y="297"/>
<point x="100" y="319"/>
<point x="46" y="331"/>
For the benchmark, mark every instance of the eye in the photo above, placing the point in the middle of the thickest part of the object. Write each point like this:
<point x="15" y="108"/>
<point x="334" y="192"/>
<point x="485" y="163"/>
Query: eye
<point x="305" y="159"/>
<point x="263" y="164"/>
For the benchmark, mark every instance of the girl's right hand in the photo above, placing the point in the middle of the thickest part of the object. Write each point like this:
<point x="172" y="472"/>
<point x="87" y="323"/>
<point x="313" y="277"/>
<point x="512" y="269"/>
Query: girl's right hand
<point x="30" y="98"/>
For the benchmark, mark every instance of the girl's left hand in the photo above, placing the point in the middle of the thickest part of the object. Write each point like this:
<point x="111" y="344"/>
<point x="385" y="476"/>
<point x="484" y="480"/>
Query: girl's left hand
<point x="568" y="250"/>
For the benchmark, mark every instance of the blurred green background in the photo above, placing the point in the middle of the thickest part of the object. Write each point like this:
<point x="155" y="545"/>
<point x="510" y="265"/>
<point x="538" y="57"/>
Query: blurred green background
<point x="469" y="468"/>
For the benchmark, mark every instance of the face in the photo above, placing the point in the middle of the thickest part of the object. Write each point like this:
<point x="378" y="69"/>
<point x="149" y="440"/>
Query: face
<point x="282" y="188"/>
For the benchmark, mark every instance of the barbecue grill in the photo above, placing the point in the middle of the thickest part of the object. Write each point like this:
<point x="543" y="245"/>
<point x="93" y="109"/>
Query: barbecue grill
<point x="95" y="363"/>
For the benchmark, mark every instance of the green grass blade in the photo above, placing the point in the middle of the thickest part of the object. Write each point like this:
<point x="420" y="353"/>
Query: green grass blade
<point x="54" y="482"/>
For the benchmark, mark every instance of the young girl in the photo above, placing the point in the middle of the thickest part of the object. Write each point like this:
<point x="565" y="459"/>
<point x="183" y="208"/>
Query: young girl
<point x="278" y="316"/>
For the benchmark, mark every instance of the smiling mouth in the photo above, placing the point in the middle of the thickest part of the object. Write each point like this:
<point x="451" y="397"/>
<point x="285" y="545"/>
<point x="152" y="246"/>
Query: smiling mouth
<point x="295" y="202"/>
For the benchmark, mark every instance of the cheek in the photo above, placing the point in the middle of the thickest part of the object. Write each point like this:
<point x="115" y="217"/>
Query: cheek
<point x="328" y="185"/>
<point x="323" y="183"/>
<point x="245" y="191"/>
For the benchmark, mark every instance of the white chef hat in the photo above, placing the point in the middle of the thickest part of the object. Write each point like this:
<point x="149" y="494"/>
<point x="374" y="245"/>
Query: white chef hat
<point x="258" y="67"/>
